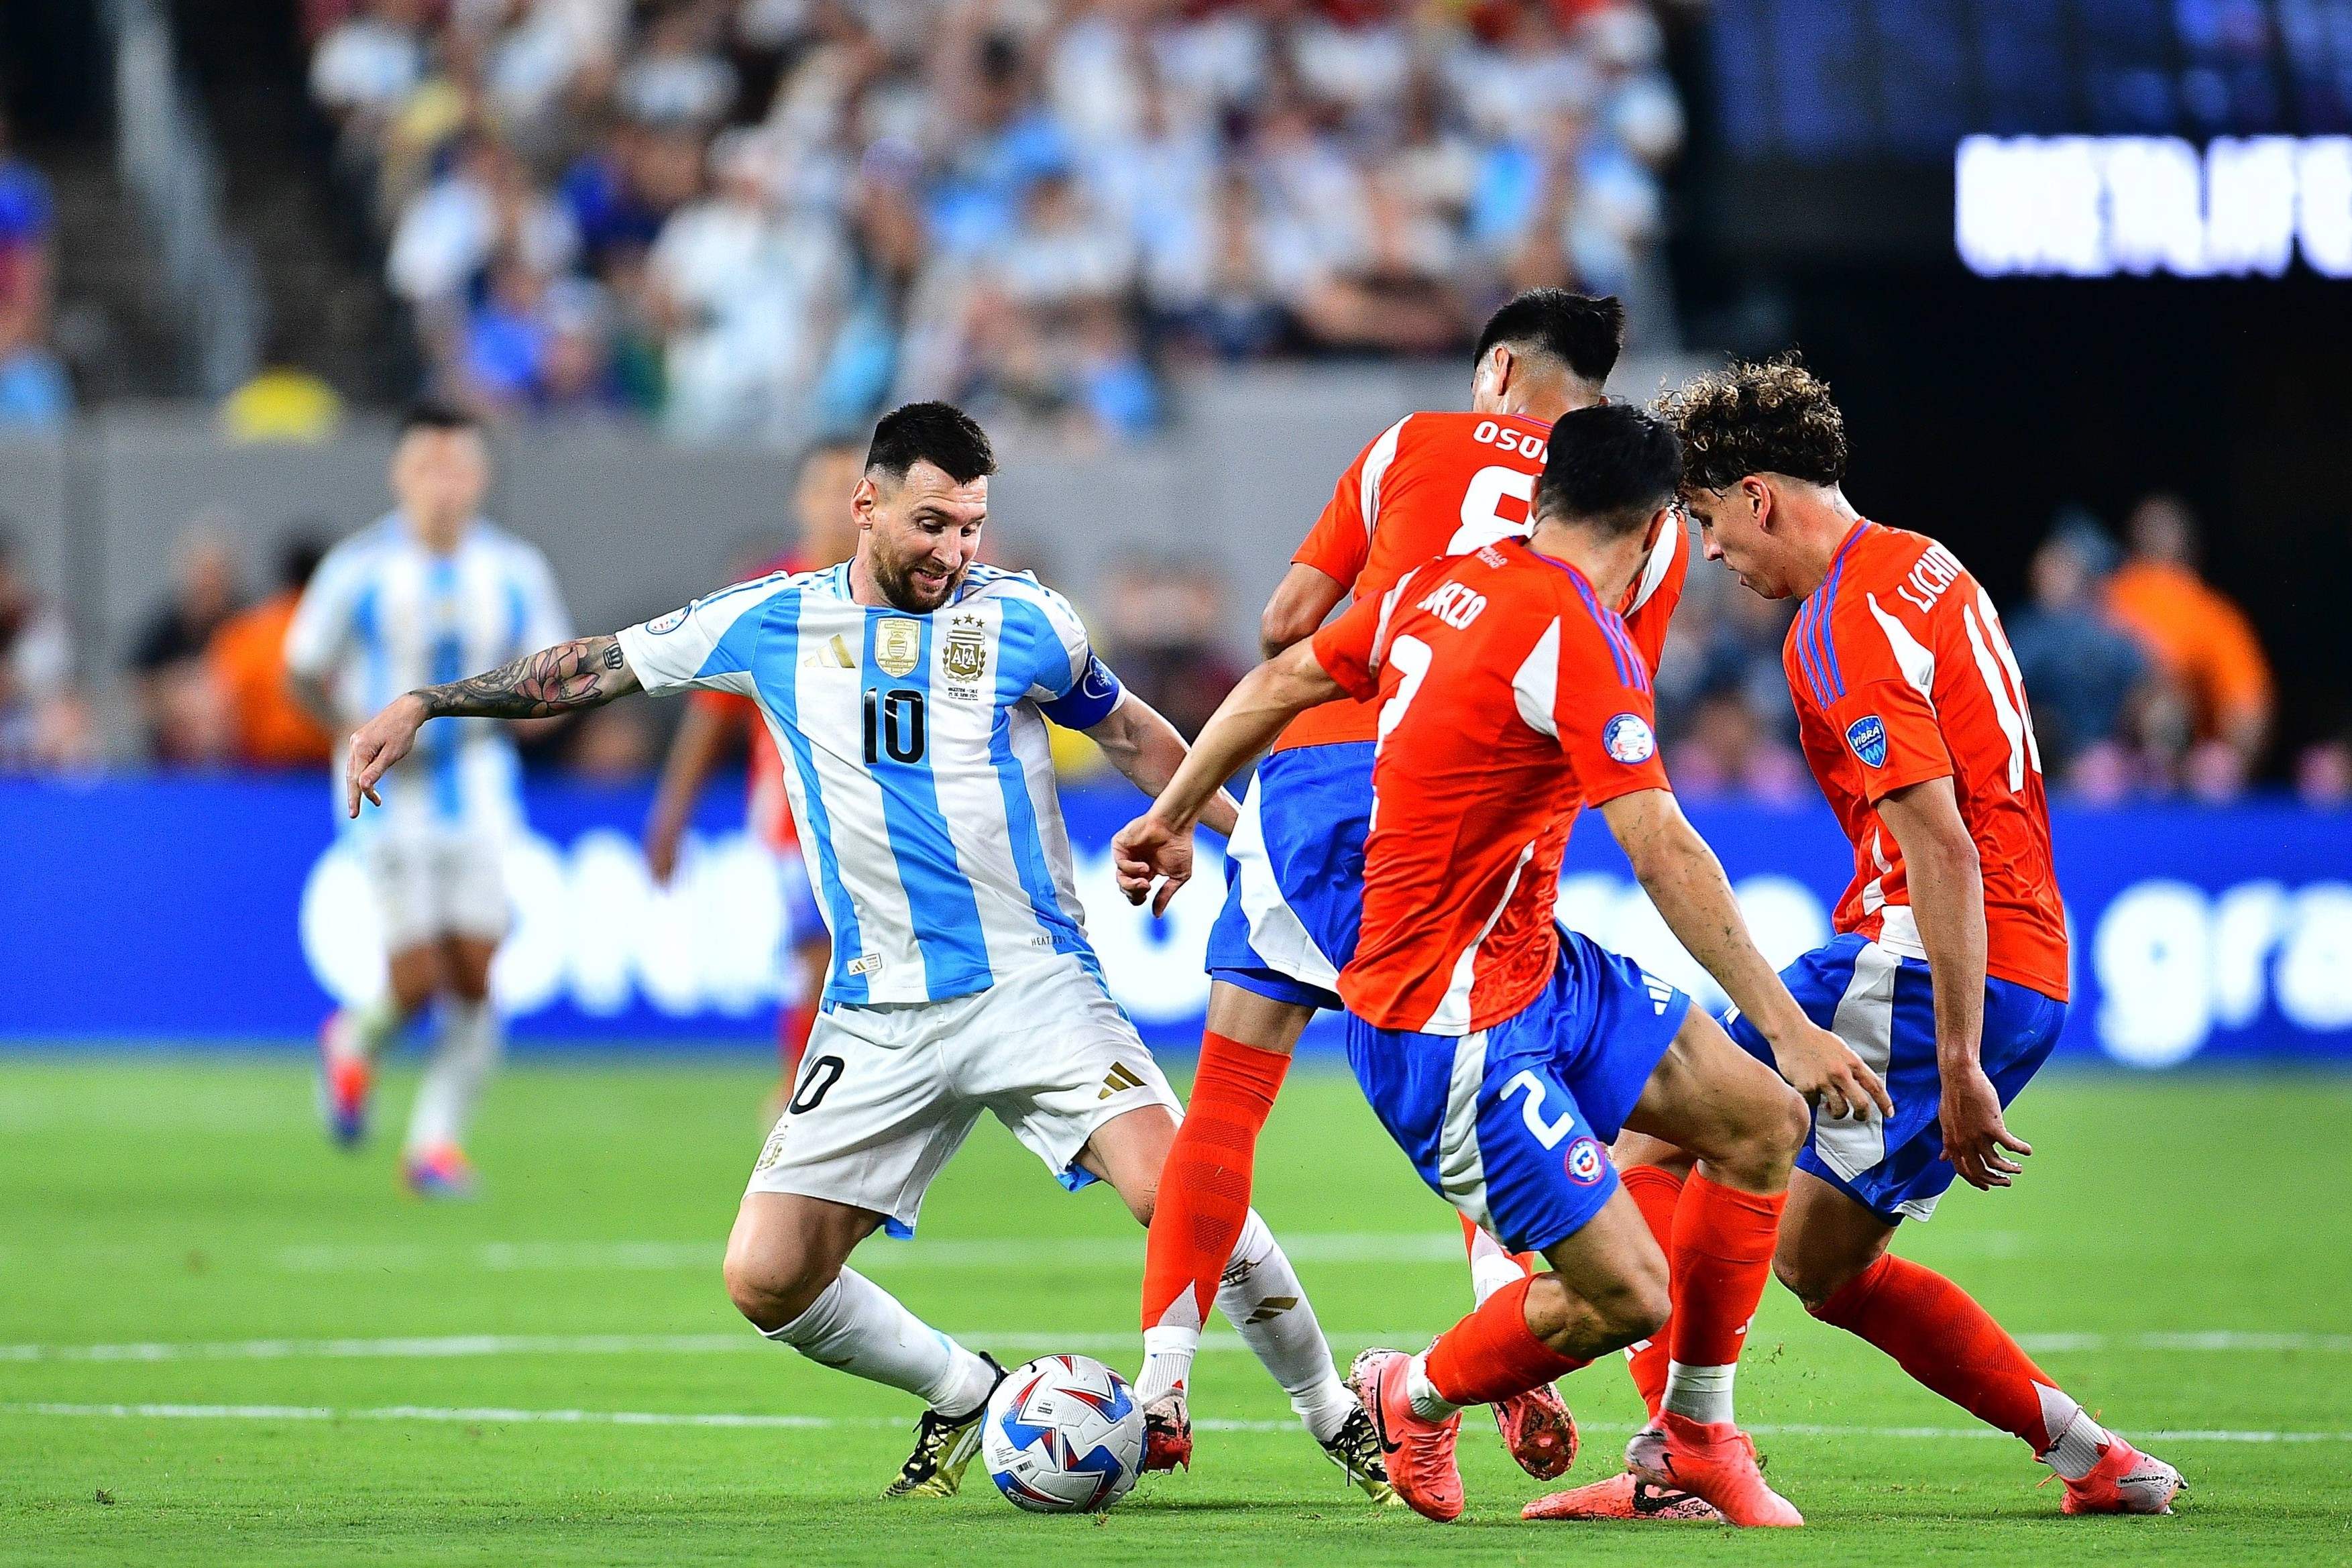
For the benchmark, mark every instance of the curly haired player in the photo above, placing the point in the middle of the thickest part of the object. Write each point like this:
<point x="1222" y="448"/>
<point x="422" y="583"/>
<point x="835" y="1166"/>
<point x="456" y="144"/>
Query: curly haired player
<point x="1949" y="971"/>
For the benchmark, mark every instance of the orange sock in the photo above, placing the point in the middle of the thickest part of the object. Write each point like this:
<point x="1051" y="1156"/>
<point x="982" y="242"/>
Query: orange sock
<point x="1204" y="1191"/>
<point x="1492" y="1355"/>
<point x="1721" y="1258"/>
<point x="1656" y="1192"/>
<point x="1945" y="1340"/>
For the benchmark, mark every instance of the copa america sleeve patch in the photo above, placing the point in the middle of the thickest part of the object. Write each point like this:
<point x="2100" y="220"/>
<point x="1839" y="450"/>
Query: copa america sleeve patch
<point x="1628" y="739"/>
<point x="1867" y="736"/>
<point x="668" y="623"/>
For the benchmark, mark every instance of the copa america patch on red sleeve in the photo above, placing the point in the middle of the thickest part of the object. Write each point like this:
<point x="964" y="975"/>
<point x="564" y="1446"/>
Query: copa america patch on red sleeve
<point x="1628" y="738"/>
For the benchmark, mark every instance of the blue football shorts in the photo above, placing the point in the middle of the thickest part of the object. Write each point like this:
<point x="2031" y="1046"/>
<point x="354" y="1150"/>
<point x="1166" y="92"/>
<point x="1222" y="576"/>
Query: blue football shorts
<point x="1884" y="1006"/>
<point x="1511" y="1124"/>
<point x="1295" y="875"/>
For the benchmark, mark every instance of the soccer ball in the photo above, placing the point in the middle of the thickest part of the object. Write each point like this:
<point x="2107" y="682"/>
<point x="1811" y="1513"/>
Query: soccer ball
<point x="1063" y="1435"/>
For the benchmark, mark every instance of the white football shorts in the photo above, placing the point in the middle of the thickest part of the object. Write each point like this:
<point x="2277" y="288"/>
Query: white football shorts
<point x="886" y="1094"/>
<point x="436" y="884"/>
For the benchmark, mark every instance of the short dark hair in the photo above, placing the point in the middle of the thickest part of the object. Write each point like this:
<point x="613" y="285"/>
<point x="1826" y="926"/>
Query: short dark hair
<point x="1579" y="330"/>
<point x="1773" y="417"/>
<point x="298" y="554"/>
<point x="433" y="414"/>
<point x="1612" y="467"/>
<point x="939" y="434"/>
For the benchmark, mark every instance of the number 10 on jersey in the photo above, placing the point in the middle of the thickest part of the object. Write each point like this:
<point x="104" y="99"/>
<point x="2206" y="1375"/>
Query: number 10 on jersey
<point x="895" y="725"/>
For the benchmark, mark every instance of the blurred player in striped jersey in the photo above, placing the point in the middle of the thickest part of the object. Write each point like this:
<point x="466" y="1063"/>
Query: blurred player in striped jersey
<point x="1949" y="971"/>
<point x="828" y="536"/>
<point x="429" y="593"/>
<point x="910" y="690"/>
<point x="1431" y="485"/>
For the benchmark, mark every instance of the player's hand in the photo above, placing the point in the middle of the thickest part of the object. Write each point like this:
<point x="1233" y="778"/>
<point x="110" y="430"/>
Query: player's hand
<point x="662" y="837"/>
<point x="1146" y="851"/>
<point x="1976" y="1142"/>
<point x="376" y="746"/>
<point x="1824" y="1069"/>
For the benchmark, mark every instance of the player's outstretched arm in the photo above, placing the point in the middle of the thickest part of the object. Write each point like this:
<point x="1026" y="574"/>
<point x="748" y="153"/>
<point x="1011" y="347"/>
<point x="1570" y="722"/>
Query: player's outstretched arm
<point x="694" y="753"/>
<point x="1156" y="848"/>
<point x="1946" y="883"/>
<point x="1143" y="745"/>
<point x="1687" y="883"/>
<point x="584" y="673"/>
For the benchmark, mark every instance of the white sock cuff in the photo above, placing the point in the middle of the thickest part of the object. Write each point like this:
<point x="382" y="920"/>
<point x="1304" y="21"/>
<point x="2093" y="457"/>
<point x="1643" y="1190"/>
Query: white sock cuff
<point x="815" y="1319"/>
<point x="1701" y="1393"/>
<point x="2075" y="1440"/>
<point x="1422" y="1394"/>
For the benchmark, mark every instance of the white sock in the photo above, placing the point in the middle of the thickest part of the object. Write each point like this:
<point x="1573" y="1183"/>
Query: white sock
<point x="378" y="1024"/>
<point x="471" y="1039"/>
<point x="1261" y="1297"/>
<point x="1422" y="1394"/>
<point x="859" y="1328"/>
<point x="1700" y="1393"/>
<point x="1491" y="1267"/>
<point x="2075" y="1451"/>
<point x="1168" y="1353"/>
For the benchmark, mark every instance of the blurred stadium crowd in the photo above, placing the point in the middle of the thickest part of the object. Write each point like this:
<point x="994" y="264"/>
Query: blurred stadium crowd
<point x="765" y="220"/>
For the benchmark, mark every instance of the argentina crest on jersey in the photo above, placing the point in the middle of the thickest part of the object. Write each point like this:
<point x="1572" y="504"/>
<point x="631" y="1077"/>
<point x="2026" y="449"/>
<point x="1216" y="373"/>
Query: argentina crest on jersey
<point x="1867" y="736"/>
<point x="964" y="657"/>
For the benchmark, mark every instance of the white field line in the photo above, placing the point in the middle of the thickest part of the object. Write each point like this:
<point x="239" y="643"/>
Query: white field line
<point x="1024" y="1252"/>
<point x="466" y="1345"/>
<point x="458" y="1346"/>
<point x="499" y="1416"/>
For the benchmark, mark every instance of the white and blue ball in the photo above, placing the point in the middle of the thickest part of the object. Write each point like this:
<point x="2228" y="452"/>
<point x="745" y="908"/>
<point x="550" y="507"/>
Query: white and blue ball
<point x="1063" y="1435"/>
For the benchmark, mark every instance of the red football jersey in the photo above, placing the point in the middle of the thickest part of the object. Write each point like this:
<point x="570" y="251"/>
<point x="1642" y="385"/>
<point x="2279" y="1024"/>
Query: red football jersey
<point x="1509" y="696"/>
<point x="1444" y="484"/>
<point x="1901" y="673"/>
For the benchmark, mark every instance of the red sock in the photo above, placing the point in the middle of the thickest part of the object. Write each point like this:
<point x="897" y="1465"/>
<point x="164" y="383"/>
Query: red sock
<point x="1492" y="1355"/>
<point x="1721" y="1258"/>
<point x="793" y="1027"/>
<point x="1204" y="1190"/>
<point x="1656" y="1192"/>
<point x="1942" y="1338"/>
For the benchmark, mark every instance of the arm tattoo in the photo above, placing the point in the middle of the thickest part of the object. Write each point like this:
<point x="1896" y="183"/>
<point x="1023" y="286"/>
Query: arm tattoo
<point x="587" y="673"/>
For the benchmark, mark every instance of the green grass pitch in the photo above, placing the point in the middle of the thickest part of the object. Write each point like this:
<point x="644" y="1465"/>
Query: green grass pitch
<point x="223" y="1342"/>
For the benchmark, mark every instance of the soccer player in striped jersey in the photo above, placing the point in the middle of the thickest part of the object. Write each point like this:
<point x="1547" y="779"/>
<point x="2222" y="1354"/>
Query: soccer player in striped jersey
<point x="429" y="593"/>
<point x="909" y="690"/>
<point x="1949" y="971"/>
<point x="1501" y="1052"/>
<point x="1432" y="484"/>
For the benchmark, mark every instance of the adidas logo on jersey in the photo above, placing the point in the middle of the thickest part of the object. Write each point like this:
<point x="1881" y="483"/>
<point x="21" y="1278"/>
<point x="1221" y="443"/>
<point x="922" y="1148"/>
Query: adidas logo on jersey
<point x="1661" y="994"/>
<point x="1117" y="1080"/>
<point x="833" y="655"/>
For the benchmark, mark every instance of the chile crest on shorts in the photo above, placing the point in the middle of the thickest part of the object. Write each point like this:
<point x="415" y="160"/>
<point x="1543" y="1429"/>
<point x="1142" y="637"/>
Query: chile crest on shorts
<point x="1867" y="736"/>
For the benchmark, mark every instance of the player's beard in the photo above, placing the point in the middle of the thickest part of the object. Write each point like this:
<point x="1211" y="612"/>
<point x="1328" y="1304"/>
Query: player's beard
<point x="903" y="588"/>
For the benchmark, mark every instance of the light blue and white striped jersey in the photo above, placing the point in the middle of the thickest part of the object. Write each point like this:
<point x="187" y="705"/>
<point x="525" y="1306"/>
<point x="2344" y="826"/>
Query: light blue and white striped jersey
<point x="383" y="615"/>
<point x="919" y="769"/>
